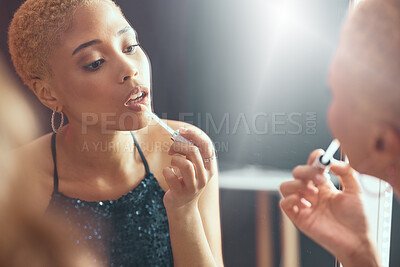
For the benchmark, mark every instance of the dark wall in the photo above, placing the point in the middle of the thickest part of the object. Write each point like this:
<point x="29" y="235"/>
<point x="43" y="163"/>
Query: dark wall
<point x="247" y="72"/>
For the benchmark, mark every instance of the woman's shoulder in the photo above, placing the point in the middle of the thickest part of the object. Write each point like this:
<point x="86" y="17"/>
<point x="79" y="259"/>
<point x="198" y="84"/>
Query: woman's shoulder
<point x="158" y="139"/>
<point x="178" y="124"/>
<point x="37" y="152"/>
<point x="33" y="173"/>
<point x="34" y="161"/>
<point x="159" y="133"/>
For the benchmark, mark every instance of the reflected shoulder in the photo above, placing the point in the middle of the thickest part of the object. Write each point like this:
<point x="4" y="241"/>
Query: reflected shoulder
<point x="38" y="152"/>
<point x="34" y="164"/>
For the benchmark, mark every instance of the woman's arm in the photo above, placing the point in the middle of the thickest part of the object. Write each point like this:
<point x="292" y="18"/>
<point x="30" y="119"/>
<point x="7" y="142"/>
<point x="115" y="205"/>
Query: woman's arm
<point x="209" y="207"/>
<point x="192" y="203"/>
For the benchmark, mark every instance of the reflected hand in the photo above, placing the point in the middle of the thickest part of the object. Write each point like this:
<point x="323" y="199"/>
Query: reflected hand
<point x="196" y="164"/>
<point x="335" y="219"/>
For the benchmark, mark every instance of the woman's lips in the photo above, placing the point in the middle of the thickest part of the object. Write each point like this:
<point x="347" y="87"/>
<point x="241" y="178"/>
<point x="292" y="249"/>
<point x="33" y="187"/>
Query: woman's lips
<point x="135" y="104"/>
<point x="137" y="98"/>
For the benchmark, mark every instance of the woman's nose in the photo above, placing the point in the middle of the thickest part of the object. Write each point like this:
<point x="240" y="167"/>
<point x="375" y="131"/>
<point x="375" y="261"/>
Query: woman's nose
<point x="127" y="69"/>
<point x="133" y="73"/>
<point x="130" y="73"/>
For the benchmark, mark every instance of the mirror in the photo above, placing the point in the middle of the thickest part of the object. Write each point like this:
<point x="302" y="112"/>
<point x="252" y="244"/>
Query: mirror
<point x="252" y="74"/>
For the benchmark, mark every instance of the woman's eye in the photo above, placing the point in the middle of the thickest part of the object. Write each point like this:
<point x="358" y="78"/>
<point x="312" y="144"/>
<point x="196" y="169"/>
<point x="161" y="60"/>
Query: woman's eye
<point x="131" y="49"/>
<point x="95" y="65"/>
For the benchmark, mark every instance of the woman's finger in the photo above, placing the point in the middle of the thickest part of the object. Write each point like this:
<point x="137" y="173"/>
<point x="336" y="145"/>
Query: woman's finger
<point x="192" y="153"/>
<point x="201" y="140"/>
<point x="313" y="155"/>
<point x="187" y="170"/>
<point x="292" y="205"/>
<point x="307" y="173"/>
<point x="172" y="180"/>
<point x="347" y="176"/>
<point x="320" y="178"/>
<point x="298" y="187"/>
<point x="306" y="191"/>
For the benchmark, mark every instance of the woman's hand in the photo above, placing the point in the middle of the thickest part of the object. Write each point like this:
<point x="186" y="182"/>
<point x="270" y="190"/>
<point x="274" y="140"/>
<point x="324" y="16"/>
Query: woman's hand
<point x="335" y="219"/>
<point x="196" y="164"/>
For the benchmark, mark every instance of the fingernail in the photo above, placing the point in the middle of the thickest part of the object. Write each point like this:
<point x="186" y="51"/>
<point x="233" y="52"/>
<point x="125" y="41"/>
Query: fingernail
<point x="312" y="189"/>
<point x="338" y="162"/>
<point x="305" y="202"/>
<point x="182" y="130"/>
<point x="319" y="179"/>
<point x="172" y="169"/>
<point x="295" y="209"/>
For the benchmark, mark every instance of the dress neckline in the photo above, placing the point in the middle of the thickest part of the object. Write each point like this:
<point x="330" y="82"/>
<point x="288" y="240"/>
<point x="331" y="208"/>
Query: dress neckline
<point x="143" y="183"/>
<point x="149" y="176"/>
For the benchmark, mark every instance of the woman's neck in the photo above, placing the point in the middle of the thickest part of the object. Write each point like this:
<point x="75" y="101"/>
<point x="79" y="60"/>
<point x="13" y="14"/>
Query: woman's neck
<point x="105" y="153"/>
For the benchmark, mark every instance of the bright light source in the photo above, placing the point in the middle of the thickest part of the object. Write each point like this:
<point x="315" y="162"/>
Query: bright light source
<point x="286" y="16"/>
<point x="356" y="2"/>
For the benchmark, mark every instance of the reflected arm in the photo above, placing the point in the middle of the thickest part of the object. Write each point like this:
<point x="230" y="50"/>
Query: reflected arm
<point x="196" y="231"/>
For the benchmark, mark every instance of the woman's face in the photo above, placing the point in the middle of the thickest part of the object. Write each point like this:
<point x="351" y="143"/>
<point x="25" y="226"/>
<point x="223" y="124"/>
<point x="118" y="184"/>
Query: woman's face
<point x="351" y="126"/>
<point x="101" y="76"/>
<point x="344" y="126"/>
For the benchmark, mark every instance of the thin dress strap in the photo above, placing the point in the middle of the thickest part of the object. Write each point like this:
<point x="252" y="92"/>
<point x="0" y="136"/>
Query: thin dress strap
<point x="141" y="155"/>
<point x="53" y="150"/>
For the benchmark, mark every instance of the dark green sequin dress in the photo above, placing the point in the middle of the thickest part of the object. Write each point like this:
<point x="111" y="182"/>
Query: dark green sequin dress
<point x="130" y="231"/>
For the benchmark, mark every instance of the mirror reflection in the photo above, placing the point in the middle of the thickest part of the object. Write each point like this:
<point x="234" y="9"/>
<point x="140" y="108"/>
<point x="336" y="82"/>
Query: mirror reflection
<point x="247" y="83"/>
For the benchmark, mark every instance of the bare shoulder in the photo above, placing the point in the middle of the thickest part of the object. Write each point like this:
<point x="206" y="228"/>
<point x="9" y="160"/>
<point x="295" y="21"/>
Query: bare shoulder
<point x="36" y="154"/>
<point x="34" y="168"/>
<point x="179" y="124"/>
<point x="156" y="133"/>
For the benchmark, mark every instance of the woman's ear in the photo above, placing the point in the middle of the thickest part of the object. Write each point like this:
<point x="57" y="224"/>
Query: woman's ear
<point x="385" y="142"/>
<point x="44" y="93"/>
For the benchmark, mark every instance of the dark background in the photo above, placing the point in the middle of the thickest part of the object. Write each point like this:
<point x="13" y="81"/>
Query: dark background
<point x="238" y="58"/>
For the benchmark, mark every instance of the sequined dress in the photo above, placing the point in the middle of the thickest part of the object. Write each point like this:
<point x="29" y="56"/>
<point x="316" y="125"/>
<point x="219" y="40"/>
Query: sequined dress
<point x="130" y="231"/>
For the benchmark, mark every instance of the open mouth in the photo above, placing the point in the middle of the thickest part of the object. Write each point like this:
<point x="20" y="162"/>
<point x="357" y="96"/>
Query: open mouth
<point x="137" y="98"/>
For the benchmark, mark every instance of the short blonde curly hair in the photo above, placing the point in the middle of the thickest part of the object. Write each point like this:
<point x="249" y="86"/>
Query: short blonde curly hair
<point x="34" y="30"/>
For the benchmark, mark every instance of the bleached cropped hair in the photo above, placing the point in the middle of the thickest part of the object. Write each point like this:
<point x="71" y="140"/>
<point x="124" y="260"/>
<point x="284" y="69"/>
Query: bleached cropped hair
<point x="34" y="31"/>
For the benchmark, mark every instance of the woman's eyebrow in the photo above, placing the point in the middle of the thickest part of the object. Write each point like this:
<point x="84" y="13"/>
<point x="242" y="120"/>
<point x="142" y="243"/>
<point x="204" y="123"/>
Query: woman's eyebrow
<point x="97" y="41"/>
<point x="124" y="30"/>
<point x="84" y="45"/>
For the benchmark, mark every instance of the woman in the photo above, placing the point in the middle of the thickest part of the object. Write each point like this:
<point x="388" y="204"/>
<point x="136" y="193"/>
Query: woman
<point x="82" y="58"/>
<point x="364" y="116"/>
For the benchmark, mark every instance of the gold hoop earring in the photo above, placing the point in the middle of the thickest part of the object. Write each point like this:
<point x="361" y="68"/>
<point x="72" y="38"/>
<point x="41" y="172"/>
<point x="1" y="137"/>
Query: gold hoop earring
<point x="52" y="120"/>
